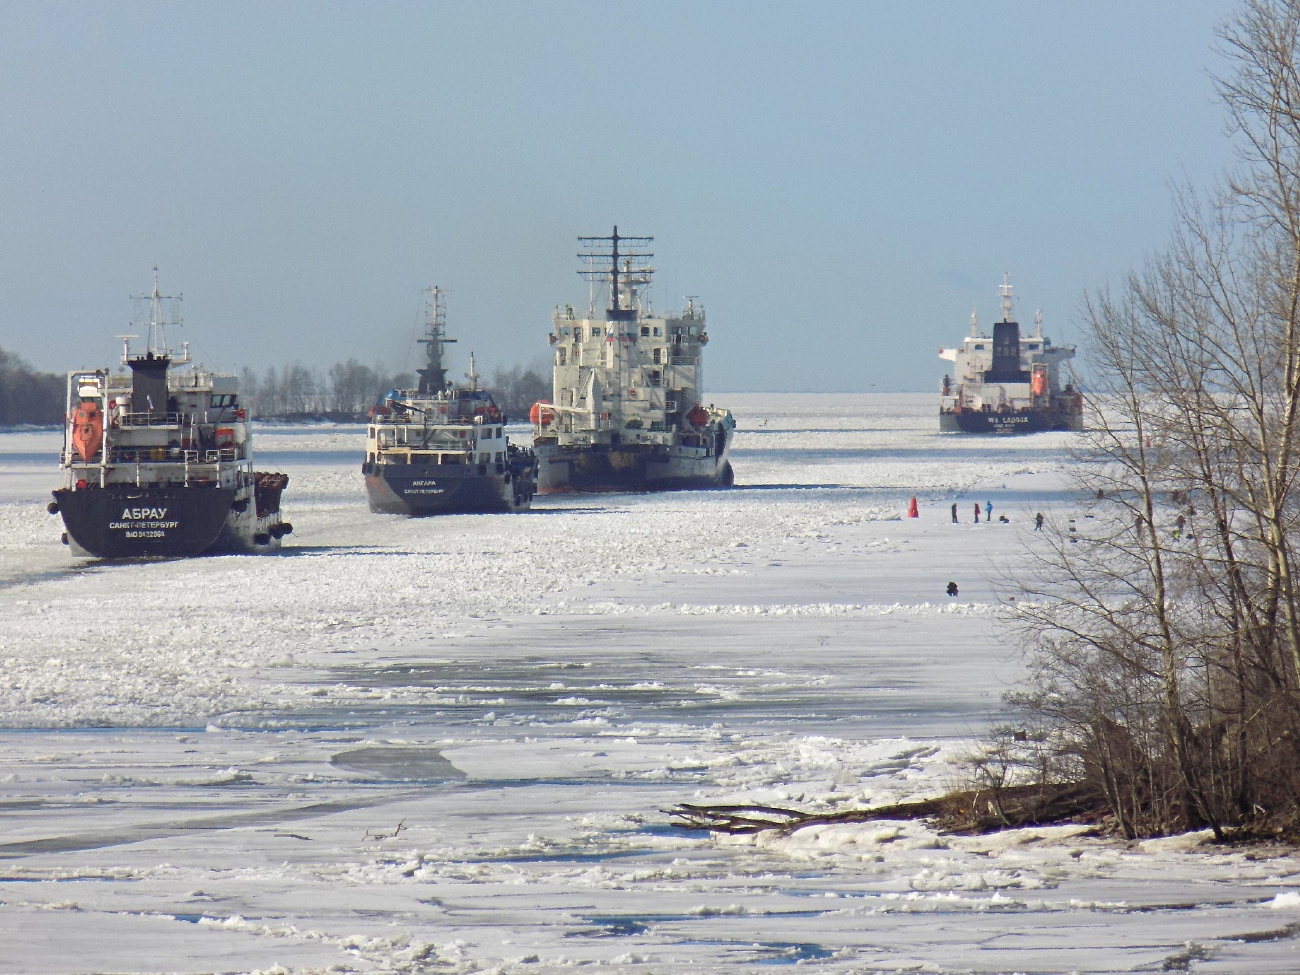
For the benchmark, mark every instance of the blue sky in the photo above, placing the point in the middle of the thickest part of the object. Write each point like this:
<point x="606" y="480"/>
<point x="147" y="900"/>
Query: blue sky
<point x="840" y="183"/>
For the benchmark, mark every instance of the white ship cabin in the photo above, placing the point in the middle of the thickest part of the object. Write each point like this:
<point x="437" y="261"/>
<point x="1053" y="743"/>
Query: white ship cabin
<point x="155" y="427"/>
<point x="630" y="379"/>
<point x="1004" y="371"/>
<point x="458" y="426"/>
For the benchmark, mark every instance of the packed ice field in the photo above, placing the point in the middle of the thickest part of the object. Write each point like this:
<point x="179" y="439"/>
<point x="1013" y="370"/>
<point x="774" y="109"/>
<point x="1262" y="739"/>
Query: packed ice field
<point x="448" y="744"/>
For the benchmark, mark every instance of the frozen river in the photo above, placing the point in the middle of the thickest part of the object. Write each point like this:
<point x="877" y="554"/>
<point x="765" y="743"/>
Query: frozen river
<point x="446" y="745"/>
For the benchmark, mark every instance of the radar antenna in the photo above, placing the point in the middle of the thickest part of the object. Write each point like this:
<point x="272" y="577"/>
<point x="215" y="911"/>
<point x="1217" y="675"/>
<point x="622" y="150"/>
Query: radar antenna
<point x="155" y="318"/>
<point x="602" y="264"/>
<point x="433" y="377"/>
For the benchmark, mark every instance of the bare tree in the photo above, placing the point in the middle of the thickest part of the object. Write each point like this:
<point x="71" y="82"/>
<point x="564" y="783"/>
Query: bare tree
<point x="354" y="386"/>
<point x="516" y="389"/>
<point x="1164" y="622"/>
<point x="299" y="389"/>
<point x="28" y="396"/>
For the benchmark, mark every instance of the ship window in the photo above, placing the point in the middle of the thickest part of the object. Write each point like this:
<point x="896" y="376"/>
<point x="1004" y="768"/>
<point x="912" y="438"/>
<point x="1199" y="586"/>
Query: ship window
<point x="656" y="330"/>
<point x="498" y="456"/>
<point x="595" y="332"/>
<point x="979" y="346"/>
<point x="500" y="430"/>
<point x="559" y="357"/>
<point x="659" y="356"/>
<point x="691" y="330"/>
<point x="654" y="377"/>
<point x="564" y="331"/>
<point x="645" y="331"/>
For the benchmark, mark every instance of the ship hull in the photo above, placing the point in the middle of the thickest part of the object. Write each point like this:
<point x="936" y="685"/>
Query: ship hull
<point x="603" y="468"/>
<point x="445" y="489"/>
<point x="127" y="521"/>
<point x="1007" y="422"/>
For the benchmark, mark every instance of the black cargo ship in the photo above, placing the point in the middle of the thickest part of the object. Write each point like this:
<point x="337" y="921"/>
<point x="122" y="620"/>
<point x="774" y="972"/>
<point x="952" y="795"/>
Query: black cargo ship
<point x="442" y="448"/>
<point x="1008" y="383"/>
<point x="160" y="463"/>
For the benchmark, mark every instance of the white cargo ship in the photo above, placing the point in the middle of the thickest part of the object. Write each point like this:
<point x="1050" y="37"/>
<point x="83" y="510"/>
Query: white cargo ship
<point x="627" y="411"/>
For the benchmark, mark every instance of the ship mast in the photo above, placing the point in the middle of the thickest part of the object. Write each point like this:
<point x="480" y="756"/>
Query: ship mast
<point x="1005" y="290"/>
<point x="602" y="263"/>
<point x="156" y="320"/>
<point x="433" y="377"/>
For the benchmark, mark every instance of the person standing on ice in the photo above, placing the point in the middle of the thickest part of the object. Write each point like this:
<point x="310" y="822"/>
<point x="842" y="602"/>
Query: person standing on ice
<point x="1038" y="522"/>
<point x="952" y="589"/>
<point x="977" y="512"/>
<point x="988" y="510"/>
<point x="954" y="512"/>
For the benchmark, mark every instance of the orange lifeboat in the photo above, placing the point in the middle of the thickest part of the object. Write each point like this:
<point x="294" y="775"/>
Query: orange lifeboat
<point x="698" y="416"/>
<point x="87" y="429"/>
<point x="540" y="415"/>
<point x="1039" y="381"/>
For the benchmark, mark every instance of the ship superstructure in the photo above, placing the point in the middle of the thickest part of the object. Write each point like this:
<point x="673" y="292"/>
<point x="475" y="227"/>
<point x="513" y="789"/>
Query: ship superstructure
<point x="627" y="410"/>
<point x="442" y="448"/>
<point x="159" y="462"/>
<point x="1008" y="382"/>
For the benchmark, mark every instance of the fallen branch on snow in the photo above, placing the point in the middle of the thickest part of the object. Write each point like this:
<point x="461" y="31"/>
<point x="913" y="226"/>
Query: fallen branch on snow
<point x="979" y="811"/>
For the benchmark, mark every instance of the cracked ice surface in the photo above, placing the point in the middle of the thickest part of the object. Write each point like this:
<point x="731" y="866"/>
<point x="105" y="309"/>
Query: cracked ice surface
<point x="445" y="745"/>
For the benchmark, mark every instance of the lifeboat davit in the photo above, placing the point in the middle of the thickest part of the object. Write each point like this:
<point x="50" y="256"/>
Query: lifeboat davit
<point x="540" y="414"/>
<point x="88" y="430"/>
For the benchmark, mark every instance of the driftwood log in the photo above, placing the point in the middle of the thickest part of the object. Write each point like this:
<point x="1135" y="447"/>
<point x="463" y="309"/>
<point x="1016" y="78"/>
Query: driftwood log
<point x="979" y="811"/>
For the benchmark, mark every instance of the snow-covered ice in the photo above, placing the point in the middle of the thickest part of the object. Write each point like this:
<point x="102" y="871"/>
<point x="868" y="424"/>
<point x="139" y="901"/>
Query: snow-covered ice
<point x="447" y="744"/>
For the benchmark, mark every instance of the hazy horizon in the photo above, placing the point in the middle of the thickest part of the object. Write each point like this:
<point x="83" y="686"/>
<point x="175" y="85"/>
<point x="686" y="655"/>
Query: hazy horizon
<point x="839" y="184"/>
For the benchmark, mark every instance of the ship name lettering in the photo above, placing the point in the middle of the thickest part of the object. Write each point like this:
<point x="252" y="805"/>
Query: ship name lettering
<point x="143" y="514"/>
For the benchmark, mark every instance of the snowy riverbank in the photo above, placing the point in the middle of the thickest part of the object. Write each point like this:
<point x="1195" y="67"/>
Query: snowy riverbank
<point x="446" y="744"/>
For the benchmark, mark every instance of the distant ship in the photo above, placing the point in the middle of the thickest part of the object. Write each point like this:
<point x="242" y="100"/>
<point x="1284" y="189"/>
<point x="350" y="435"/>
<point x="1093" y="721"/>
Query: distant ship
<point x="1008" y="383"/>
<point x="160" y="463"/>
<point x="627" y="412"/>
<point x="440" y="448"/>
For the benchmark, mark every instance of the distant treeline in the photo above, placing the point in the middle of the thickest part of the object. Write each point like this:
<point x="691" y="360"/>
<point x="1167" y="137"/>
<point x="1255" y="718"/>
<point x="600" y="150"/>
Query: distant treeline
<point x="28" y="396"/>
<point x="348" y="389"/>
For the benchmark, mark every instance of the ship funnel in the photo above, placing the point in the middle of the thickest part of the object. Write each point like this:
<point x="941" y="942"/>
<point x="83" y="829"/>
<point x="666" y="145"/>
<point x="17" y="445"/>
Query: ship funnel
<point x="149" y="384"/>
<point x="1006" y="355"/>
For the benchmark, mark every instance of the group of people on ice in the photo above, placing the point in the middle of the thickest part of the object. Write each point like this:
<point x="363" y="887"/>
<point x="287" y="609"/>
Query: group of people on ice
<point x="988" y="514"/>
